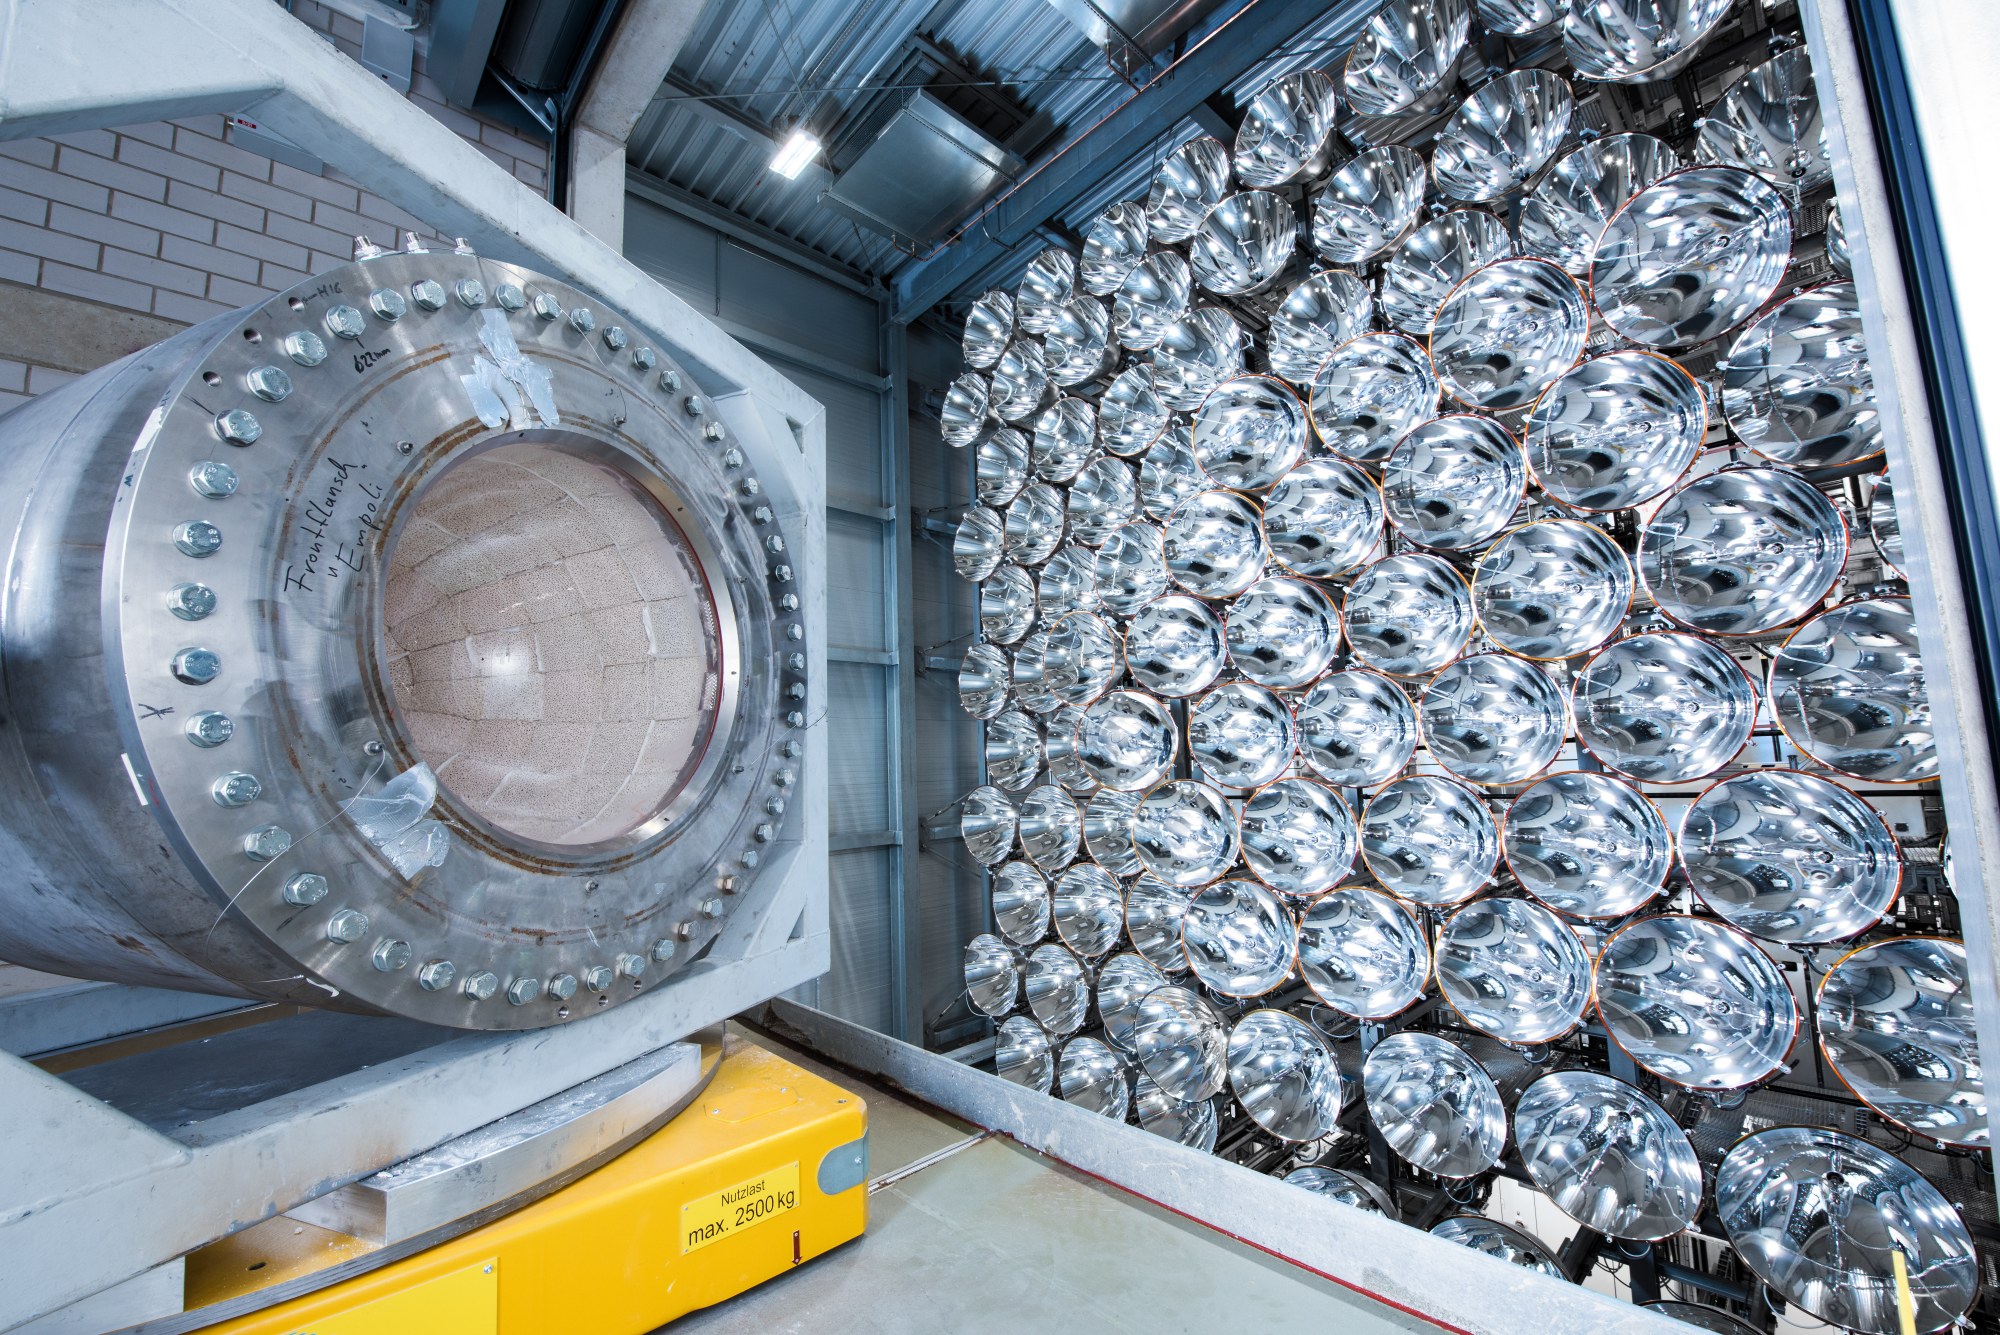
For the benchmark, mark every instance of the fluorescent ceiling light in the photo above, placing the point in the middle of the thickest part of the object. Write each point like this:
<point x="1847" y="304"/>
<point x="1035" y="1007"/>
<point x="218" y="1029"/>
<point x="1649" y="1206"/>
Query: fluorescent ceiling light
<point x="799" y="148"/>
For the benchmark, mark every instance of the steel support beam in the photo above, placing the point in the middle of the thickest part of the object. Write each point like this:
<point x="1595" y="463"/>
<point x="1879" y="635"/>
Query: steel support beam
<point x="1234" y="48"/>
<point x="642" y="49"/>
<point x="905" y="901"/>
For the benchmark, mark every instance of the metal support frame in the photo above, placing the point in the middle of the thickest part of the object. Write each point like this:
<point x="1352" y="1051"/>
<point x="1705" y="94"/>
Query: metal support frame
<point x="905" y="926"/>
<point x="92" y="1196"/>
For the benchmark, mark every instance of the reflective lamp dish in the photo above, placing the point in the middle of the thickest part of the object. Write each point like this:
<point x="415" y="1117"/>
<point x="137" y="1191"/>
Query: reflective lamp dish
<point x="1513" y="971"/>
<point x="1821" y="1217"/>
<point x="1104" y="496"/>
<point x="1126" y="741"/>
<point x="1363" y="953"/>
<point x="1130" y="413"/>
<point x="1493" y="719"/>
<point x="1181" y="1044"/>
<point x="1191" y="1124"/>
<point x="1848" y="690"/>
<point x="1046" y="287"/>
<point x="1508" y="332"/>
<point x="1896" y="1023"/>
<point x="978" y="545"/>
<point x="1020" y="382"/>
<point x="1078" y="348"/>
<point x="992" y="975"/>
<point x="1769" y="122"/>
<point x="1191" y="181"/>
<point x="1587" y="845"/>
<point x="1282" y="632"/>
<point x="1608" y="1156"/>
<point x="1637" y="41"/>
<point x="1369" y="204"/>
<point x="988" y="330"/>
<point x="1436" y="258"/>
<point x="1021" y="903"/>
<point x="1552" y="589"/>
<point x="1168" y="474"/>
<point x="1153" y="912"/>
<point x="1884" y="530"/>
<point x="1408" y="615"/>
<point x="1429" y="840"/>
<point x="1797" y="385"/>
<point x="1695" y="1002"/>
<point x="1249" y="432"/>
<point x="1518" y="18"/>
<point x="1245" y="244"/>
<point x="1563" y="216"/>
<point x="1615" y="431"/>
<point x="1107" y="831"/>
<point x="1241" y="735"/>
<point x="1093" y="1077"/>
<point x="1837" y="252"/>
<point x="1031" y="678"/>
<point x="1356" y="728"/>
<point x="1051" y="827"/>
<point x="1435" y="1106"/>
<point x="1013" y="750"/>
<point x="1000" y="462"/>
<point x="1088" y="909"/>
<point x="1006" y="605"/>
<point x="1405" y="56"/>
<point x="1790" y="857"/>
<point x="984" y="677"/>
<point x="1454" y="481"/>
<point x="1068" y="583"/>
<point x="1703" y="1317"/>
<point x="1175" y="646"/>
<point x="1663" y="708"/>
<point x="1285" y="1076"/>
<point x="1185" y="834"/>
<point x="1215" y="544"/>
<point x="1131" y="569"/>
<point x="1120" y="983"/>
<point x="1692" y="256"/>
<point x="1154" y="295"/>
<point x="1369" y="392"/>
<point x="986" y="823"/>
<point x="1285" y="131"/>
<point x="1298" y="836"/>
<point x="1064" y="768"/>
<point x="1502" y="136"/>
<point x="1058" y="989"/>
<point x="1323" y="518"/>
<point x="1196" y="353"/>
<point x="1065" y="438"/>
<point x="1113" y="245"/>
<point x="1743" y="551"/>
<point x="1325" y="310"/>
<point x="1022" y="1054"/>
<point x="1349" y="1189"/>
<point x="1034" y="527"/>
<point x="1502" y="1242"/>
<point x="1239" y="939"/>
<point x="967" y="406"/>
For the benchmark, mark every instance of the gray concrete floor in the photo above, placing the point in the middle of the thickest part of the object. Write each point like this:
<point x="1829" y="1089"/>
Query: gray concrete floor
<point x="997" y="1238"/>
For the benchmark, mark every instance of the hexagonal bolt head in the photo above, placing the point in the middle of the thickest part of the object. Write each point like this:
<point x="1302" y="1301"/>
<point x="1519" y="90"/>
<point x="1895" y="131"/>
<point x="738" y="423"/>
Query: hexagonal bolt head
<point x="388" y="304"/>
<point x="306" y="889"/>
<point x="711" y="907"/>
<point x="414" y="244"/>
<point x="614" y="338"/>
<point x="190" y="601"/>
<point x="597" y="977"/>
<point x="345" y="322"/>
<point x="563" y="986"/>
<point x="790" y="751"/>
<point x="794" y="719"/>
<point x="523" y="990"/>
<point x="670" y="381"/>
<point x="795" y="631"/>
<point x="582" y="319"/>
<point x="195" y="666"/>
<point x="712" y="431"/>
<point x="198" y="537"/>
<point x="545" y="306"/>
<point x="346" y="927"/>
<point x="236" y="789"/>
<point x="509" y="297"/>
<point x="764" y="833"/>
<point x="269" y="383"/>
<point x="749" y="858"/>
<point x="796" y="691"/>
<point x="695" y="407"/>
<point x="644" y="358"/>
<point x="782" y="574"/>
<point x="774" y="544"/>
<point x="775" y="805"/>
<point x="305" y="347"/>
<point x="684" y="931"/>
<point x="364" y="249"/>
<point x="267" y="844"/>
<point x="428" y="293"/>
<point x="631" y="966"/>
<point x="733" y="458"/>
<point x="471" y="293"/>
<point x="210" y="728"/>
<point x="789" y="602"/>
<point x="480" y="986"/>
<point x="436" y="975"/>
<point x="663" y="949"/>
<point x="762" y="515"/>
<point x="796" y="662"/>
<point x="213" y="479"/>
<point x="239" y="427"/>
<point x="390" y="954"/>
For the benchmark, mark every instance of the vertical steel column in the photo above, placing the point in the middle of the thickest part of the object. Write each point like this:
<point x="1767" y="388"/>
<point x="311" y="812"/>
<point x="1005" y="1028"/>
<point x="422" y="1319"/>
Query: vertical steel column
<point x="906" y="1018"/>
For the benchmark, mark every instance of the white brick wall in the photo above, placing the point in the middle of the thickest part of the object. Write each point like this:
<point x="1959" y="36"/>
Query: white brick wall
<point x="175" y="220"/>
